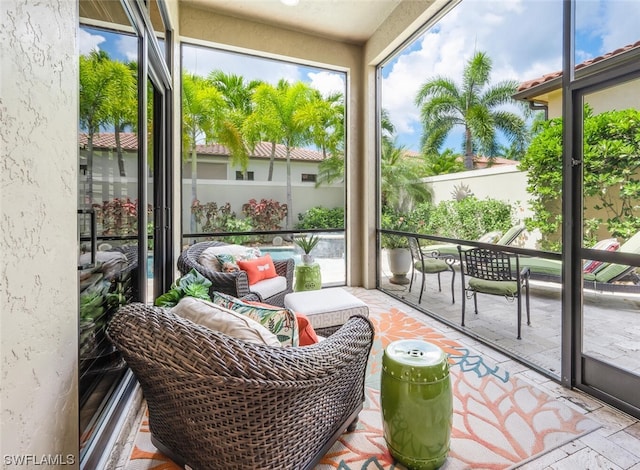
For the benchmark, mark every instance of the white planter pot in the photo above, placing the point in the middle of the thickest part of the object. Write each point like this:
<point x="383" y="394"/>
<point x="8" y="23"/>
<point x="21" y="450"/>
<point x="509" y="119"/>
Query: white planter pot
<point x="399" y="265"/>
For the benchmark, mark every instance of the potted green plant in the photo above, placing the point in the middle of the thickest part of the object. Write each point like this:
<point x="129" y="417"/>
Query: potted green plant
<point x="307" y="243"/>
<point x="192" y="284"/>
<point x="398" y="254"/>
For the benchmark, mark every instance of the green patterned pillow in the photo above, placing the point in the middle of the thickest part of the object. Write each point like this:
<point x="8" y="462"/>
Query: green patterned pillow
<point x="279" y="320"/>
<point x="228" y="263"/>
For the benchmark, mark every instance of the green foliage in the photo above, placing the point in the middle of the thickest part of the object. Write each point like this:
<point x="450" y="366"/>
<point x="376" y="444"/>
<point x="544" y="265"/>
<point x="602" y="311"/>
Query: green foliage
<point x="266" y="214"/>
<point x="192" y="284"/>
<point x="306" y="243"/>
<point x="394" y="221"/>
<point x="471" y="217"/>
<point x="400" y="174"/>
<point x="211" y="218"/>
<point x="443" y="163"/>
<point x="611" y="168"/>
<point x="321" y="217"/>
<point x="466" y="219"/>
<point x="476" y="105"/>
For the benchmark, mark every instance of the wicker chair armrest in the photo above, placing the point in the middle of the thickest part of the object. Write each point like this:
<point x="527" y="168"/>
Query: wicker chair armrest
<point x="286" y="269"/>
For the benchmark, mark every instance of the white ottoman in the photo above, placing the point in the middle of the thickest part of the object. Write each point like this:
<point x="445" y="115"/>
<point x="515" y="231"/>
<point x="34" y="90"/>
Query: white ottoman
<point x="327" y="309"/>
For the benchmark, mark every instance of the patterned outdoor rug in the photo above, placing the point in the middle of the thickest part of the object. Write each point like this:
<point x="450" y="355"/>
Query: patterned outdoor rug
<point x="499" y="421"/>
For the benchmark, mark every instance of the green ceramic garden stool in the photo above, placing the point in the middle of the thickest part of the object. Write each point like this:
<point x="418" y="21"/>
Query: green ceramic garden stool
<point x="417" y="403"/>
<point x="308" y="277"/>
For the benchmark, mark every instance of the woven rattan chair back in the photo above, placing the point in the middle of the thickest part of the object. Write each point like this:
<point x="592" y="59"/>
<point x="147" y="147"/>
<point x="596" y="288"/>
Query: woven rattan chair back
<point x="217" y="402"/>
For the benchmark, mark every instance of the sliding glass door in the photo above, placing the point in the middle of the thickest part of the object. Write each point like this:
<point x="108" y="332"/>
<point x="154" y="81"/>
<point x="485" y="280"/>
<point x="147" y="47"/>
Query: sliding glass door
<point x="608" y="362"/>
<point x="123" y="197"/>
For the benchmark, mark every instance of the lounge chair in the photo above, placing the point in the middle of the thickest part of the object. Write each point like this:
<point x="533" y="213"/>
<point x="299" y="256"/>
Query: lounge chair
<point x="491" y="237"/>
<point x="604" y="277"/>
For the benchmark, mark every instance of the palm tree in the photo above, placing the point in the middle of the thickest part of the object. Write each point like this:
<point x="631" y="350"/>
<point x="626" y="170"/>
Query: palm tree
<point x="326" y="118"/>
<point x="278" y="116"/>
<point x="326" y="122"/>
<point x="94" y="78"/>
<point x="121" y="103"/>
<point x="476" y="106"/>
<point x="202" y="106"/>
<point x="232" y="130"/>
<point x="399" y="178"/>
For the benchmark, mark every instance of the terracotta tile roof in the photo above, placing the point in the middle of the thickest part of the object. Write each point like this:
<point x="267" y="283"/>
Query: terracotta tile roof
<point x="551" y="76"/>
<point x="478" y="161"/>
<point x="128" y="141"/>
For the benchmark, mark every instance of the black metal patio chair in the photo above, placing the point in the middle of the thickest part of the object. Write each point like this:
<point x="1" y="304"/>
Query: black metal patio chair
<point x="489" y="271"/>
<point x="430" y="263"/>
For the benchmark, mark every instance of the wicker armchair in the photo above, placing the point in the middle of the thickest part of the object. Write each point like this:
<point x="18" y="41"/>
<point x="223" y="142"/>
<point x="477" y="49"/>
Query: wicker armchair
<point x="218" y="402"/>
<point x="237" y="283"/>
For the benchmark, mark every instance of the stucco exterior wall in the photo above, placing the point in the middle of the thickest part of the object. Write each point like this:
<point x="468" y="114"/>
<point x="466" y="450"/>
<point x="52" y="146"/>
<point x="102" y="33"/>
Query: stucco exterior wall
<point x="38" y="272"/>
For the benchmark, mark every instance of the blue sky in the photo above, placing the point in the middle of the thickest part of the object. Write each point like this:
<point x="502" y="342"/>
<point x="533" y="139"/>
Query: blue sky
<point x="522" y="37"/>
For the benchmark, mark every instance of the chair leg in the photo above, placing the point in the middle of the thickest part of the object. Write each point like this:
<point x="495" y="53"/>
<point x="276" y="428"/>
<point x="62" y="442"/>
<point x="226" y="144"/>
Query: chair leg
<point x="453" y="278"/>
<point x="464" y="302"/>
<point x="422" y="287"/>
<point x="519" y="316"/>
<point x="439" y="284"/>
<point x="527" y="304"/>
<point x="352" y="426"/>
<point x="413" y="274"/>
<point x="475" y="301"/>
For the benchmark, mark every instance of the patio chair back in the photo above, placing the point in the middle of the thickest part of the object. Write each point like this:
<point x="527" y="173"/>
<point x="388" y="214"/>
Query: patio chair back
<point x="430" y="263"/>
<point x="493" y="272"/>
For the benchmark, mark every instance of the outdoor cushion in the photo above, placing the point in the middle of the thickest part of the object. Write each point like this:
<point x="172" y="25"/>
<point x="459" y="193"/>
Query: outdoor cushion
<point x="225" y="321"/>
<point x="209" y="257"/>
<point x="432" y="265"/>
<point x="609" y="244"/>
<point x="508" y="288"/>
<point x="490" y="237"/>
<point x="306" y="334"/>
<point x="258" y="269"/>
<point x="270" y="287"/>
<point x="227" y="263"/>
<point x="280" y="321"/>
<point x="611" y="271"/>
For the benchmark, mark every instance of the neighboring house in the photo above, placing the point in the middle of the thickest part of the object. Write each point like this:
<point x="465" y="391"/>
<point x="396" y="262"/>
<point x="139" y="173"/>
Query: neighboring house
<point x="546" y="91"/>
<point x="479" y="162"/>
<point x="218" y="179"/>
<point x="214" y="163"/>
<point x="213" y="160"/>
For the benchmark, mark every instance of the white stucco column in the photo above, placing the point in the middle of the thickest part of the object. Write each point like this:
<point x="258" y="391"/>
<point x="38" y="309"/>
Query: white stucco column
<point x="38" y="235"/>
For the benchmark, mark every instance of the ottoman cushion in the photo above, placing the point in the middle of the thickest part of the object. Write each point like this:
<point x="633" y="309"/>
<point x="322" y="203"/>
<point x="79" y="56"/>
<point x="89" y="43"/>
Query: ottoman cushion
<point x="326" y="308"/>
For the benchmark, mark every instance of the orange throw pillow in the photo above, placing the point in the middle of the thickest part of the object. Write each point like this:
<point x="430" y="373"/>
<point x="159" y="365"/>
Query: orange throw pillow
<point x="306" y="334"/>
<point x="258" y="269"/>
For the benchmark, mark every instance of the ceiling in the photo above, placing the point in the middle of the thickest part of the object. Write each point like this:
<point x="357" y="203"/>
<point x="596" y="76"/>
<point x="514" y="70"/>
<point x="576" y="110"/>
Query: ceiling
<point x="346" y="20"/>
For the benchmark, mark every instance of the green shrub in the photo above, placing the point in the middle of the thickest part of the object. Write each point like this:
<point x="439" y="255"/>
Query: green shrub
<point x="611" y="167"/>
<point x="321" y="217"/>
<point x="466" y="219"/>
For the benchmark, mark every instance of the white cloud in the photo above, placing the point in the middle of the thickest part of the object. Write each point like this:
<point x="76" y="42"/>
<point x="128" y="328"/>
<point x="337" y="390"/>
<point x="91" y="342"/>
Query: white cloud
<point x="327" y="82"/>
<point x="201" y="61"/>
<point x="523" y="39"/>
<point x="89" y="42"/>
<point x="128" y="47"/>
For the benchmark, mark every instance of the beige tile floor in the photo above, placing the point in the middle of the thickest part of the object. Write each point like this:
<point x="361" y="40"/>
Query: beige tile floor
<point x="615" y="445"/>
